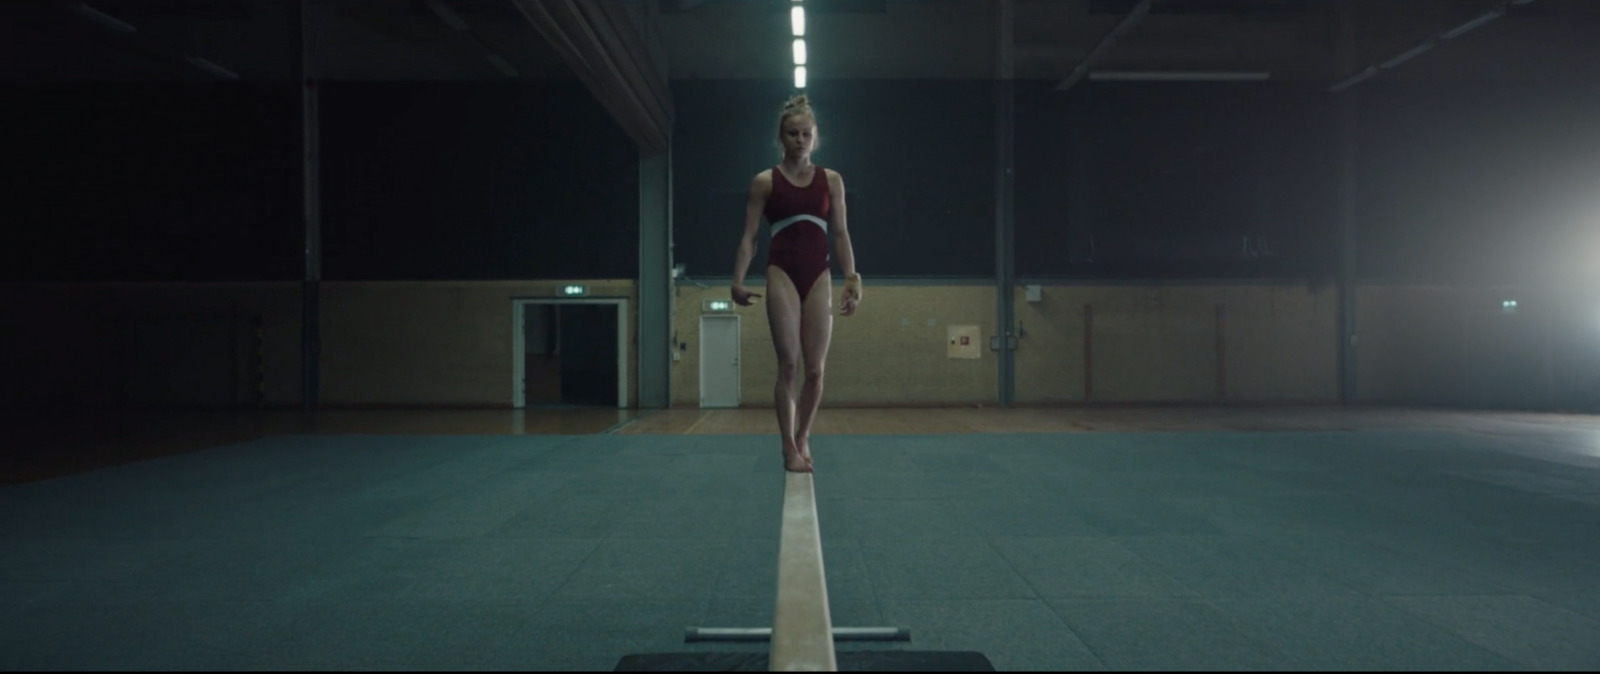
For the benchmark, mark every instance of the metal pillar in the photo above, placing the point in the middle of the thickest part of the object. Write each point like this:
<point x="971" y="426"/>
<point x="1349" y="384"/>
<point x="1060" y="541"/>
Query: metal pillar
<point x="1004" y="341"/>
<point x="655" y="277"/>
<point x="1349" y="157"/>
<point x="311" y="313"/>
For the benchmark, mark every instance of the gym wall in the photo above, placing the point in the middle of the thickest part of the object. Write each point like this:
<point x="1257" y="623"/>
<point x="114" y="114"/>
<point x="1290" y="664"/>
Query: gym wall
<point x="1146" y="344"/>
<point x="158" y="253"/>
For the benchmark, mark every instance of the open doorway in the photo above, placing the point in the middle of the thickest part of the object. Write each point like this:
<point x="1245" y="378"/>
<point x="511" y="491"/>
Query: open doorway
<point x="570" y="353"/>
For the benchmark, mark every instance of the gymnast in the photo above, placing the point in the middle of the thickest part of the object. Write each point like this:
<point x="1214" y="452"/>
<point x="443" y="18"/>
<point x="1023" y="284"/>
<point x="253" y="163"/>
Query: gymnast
<point x="802" y="203"/>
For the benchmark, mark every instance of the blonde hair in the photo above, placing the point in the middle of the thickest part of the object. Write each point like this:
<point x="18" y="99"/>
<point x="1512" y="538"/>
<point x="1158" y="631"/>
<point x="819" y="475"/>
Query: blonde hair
<point x="798" y="106"/>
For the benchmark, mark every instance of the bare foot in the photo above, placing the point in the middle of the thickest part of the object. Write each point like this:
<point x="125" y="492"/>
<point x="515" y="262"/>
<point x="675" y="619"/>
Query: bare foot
<point x="804" y="445"/>
<point x="794" y="461"/>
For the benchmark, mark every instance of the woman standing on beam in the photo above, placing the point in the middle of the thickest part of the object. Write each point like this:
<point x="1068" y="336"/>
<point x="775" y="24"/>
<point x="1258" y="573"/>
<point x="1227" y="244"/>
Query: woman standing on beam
<point x="803" y="203"/>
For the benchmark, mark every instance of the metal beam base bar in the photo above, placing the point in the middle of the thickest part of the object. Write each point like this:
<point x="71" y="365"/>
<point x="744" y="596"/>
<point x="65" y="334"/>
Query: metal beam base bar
<point x="692" y="634"/>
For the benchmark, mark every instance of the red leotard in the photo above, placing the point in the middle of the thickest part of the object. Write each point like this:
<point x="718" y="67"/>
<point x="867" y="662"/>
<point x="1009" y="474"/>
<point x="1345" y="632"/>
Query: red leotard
<point x="799" y="220"/>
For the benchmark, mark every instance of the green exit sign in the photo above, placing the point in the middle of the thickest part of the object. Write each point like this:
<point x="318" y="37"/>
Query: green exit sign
<point x="574" y="290"/>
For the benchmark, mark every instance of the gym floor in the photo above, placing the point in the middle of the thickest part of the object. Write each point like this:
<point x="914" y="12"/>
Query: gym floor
<point x="1044" y="538"/>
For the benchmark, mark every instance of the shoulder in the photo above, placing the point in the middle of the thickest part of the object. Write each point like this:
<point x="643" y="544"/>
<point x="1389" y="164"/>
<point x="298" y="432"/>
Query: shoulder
<point x="762" y="182"/>
<point x="835" y="181"/>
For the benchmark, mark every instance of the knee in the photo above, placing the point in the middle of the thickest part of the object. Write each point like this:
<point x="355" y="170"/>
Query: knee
<point x="813" y="374"/>
<point x="786" y="372"/>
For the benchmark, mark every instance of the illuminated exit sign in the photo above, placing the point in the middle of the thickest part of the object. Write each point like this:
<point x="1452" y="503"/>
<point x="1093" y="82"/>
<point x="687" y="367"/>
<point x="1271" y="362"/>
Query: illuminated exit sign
<point x="574" y="290"/>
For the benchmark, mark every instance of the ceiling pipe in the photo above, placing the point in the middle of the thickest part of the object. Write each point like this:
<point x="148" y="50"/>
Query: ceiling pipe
<point x="1128" y="22"/>
<point x="447" y="15"/>
<point x="455" y="22"/>
<point x="1432" y="41"/>
<point x="502" y="64"/>
<point x="131" y="39"/>
<point x="214" y="69"/>
<point x="84" y="10"/>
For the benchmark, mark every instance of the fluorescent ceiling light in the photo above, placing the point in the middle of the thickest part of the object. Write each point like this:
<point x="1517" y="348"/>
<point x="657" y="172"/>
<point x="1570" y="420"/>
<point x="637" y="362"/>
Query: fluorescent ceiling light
<point x="797" y="20"/>
<point x="800" y="52"/>
<point x="799" y="77"/>
<point x="1176" y="76"/>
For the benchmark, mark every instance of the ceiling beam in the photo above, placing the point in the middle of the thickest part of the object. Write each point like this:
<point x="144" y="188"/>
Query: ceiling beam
<point x="126" y="36"/>
<point x="1131" y="19"/>
<point x="458" y="24"/>
<point x="600" y="42"/>
<point x="1432" y="41"/>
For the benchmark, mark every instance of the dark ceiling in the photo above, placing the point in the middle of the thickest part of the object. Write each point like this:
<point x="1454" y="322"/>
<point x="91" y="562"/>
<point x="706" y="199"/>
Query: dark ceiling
<point x="749" y="39"/>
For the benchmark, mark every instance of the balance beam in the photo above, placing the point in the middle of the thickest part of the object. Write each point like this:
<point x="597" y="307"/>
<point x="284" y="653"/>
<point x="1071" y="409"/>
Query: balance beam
<point x="802" y="630"/>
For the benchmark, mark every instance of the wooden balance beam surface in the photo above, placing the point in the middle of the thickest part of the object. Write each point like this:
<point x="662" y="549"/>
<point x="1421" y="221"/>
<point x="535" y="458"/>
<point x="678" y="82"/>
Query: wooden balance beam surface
<point x="802" y="632"/>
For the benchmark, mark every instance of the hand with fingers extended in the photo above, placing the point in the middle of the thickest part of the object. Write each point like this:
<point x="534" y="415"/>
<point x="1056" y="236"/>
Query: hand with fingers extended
<point x="851" y="296"/>
<point x="742" y="295"/>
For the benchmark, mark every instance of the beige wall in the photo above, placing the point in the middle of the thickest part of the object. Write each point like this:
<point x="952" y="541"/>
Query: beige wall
<point x="1159" y="344"/>
<point x="1409" y="345"/>
<point x="1282" y="343"/>
<point x="1149" y="344"/>
<point x="383" y="343"/>
<point x="892" y="352"/>
<point x="450" y="344"/>
<point x="436" y="343"/>
<point x="1441" y="345"/>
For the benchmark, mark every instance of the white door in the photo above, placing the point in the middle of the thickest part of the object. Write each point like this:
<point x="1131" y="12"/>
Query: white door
<point x="719" y="361"/>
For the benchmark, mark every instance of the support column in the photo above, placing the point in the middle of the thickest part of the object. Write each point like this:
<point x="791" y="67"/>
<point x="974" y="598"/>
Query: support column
<point x="1349" y="172"/>
<point x="655" y="277"/>
<point x="311" y="304"/>
<point x="1004" y="342"/>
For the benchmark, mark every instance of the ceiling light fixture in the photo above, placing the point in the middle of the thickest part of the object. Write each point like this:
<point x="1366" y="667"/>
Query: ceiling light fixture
<point x="1177" y="76"/>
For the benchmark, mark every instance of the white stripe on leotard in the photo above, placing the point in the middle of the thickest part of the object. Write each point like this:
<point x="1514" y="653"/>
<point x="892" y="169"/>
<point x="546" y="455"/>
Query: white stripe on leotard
<point x="779" y="225"/>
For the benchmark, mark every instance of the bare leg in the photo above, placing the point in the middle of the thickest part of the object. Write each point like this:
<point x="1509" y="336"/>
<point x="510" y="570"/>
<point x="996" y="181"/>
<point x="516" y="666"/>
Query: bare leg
<point x="793" y="459"/>
<point x="816" y="332"/>
<point x="783" y="315"/>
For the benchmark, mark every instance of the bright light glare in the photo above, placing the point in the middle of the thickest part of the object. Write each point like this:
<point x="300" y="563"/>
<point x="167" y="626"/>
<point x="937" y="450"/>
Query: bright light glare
<point x="799" y="77"/>
<point x="799" y="52"/>
<point x="797" y="19"/>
